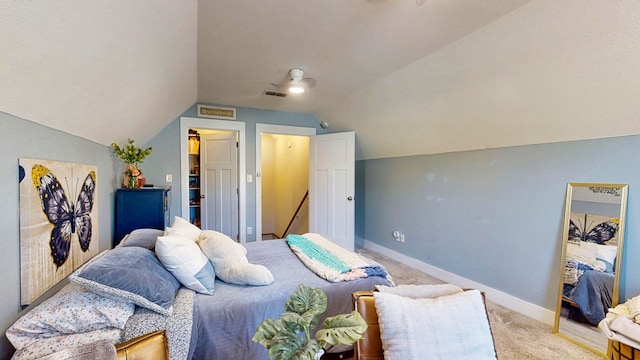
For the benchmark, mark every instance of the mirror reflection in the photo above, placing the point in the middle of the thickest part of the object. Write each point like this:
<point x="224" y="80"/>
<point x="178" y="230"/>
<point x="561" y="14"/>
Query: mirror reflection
<point x="591" y="257"/>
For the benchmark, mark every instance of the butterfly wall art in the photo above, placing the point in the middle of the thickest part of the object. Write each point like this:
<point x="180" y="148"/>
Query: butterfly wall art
<point x="592" y="228"/>
<point x="58" y="222"/>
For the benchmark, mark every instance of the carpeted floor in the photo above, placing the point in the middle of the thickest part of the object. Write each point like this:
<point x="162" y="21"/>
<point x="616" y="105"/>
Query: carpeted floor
<point x="516" y="336"/>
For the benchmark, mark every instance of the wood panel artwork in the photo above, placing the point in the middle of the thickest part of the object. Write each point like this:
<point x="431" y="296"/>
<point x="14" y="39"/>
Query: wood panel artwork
<point x="58" y="222"/>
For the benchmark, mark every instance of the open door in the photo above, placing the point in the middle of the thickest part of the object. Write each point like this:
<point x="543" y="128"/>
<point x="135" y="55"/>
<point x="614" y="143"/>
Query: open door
<point x="332" y="187"/>
<point x="238" y="127"/>
<point x="219" y="182"/>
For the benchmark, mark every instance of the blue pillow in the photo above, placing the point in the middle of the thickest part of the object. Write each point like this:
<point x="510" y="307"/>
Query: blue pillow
<point x="609" y="266"/>
<point x="183" y="258"/>
<point x="132" y="274"/>
<point x="145" y="238"/>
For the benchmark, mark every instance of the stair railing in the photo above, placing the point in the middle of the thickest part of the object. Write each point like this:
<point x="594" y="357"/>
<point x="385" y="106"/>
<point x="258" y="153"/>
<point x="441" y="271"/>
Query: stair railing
<point x="304" y="198"/>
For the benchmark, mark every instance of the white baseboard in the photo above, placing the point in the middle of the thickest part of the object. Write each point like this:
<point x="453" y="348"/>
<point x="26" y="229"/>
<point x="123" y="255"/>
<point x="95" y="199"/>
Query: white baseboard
<point x="501" y="298"/>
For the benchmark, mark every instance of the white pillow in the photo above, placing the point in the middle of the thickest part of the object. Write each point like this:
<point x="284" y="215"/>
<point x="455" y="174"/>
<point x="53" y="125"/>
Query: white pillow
<point x="227" y="244"/>
<point x="448" y="327"/>
<point x="230" y="261"/>
<point x="73" y="309"/>
<point x="607" y="253"/>
<point x="420" y="291"/>
<point x="183" y="258"/>
<point x="582" y="251"/>
<point x="184" y="228"/>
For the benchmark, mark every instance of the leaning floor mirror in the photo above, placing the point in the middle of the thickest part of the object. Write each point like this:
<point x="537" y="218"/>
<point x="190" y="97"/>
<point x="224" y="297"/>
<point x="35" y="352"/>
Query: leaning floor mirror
<point x="592" y="242"/>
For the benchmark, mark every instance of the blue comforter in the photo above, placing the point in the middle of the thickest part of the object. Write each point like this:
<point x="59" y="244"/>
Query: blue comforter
<point x="593" y="294"/>
<point x="225" y="322"/>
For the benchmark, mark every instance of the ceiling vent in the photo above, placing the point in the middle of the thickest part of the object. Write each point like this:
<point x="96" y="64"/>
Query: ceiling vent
<point x="275" y="93"/>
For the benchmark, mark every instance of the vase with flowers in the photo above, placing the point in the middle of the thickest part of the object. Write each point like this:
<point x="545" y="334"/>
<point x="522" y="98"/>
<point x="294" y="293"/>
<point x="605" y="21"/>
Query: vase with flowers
<point x="133" y="156"/>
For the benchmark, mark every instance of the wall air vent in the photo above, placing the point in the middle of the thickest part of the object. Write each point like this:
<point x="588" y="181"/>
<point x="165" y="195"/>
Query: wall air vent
<point x="275" y="93"/>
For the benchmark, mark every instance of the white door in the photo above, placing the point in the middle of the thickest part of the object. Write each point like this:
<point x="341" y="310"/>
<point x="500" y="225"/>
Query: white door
<point x="219" y="183"/>
<point x="331" y="187"/>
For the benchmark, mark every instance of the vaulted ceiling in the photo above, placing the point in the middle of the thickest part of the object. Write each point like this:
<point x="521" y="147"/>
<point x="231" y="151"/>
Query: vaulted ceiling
<point x="448" y="75"/>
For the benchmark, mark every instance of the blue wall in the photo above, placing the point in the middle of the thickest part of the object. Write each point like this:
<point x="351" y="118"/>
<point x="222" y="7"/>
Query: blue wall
<point x="21" y="138"/>
<point x="495" y="216"/>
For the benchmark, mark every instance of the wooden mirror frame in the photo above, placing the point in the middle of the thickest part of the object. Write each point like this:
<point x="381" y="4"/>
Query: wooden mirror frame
<point x="598" y="190"/>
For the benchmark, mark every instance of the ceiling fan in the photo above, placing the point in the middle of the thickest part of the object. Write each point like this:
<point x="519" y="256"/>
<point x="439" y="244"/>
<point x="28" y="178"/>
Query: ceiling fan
<point x="295" y="82"/>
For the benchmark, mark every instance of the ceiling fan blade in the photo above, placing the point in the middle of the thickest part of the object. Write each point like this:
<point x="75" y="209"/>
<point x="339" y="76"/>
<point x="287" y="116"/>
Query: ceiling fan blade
<point x="280" y="86"/>
<point x="308" y="82"/>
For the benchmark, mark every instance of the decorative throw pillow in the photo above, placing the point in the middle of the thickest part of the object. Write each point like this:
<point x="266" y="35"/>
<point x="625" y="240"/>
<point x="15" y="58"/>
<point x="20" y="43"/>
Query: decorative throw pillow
<point x="184" y="228"/>
<point x="230" y="260"/>
<point x="607" y="254"/>
<point x="131" y="274"/>
<point x="583" y="251"/>
<point x="448" y="327"/>
<point x="145" y="238"/>
<point x="73" y="309"/>
<point x="420" y="291"/>
<point x="186" y="262"/>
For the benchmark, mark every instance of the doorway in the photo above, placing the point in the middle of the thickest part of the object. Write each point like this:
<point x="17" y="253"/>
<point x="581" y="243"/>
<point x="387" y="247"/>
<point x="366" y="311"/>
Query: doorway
<point x="285" y="185"/>
<point x="237" y="128"/>
<point x="218" y="168"/>
<point x="281" y="186"/>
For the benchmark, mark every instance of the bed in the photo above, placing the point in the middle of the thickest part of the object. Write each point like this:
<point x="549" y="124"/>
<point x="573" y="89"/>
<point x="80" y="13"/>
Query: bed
<point x="198" y="325"/>
<point x="591" y="250"/>
<point x="250" y="309"/>
<point x="589" y="278"/>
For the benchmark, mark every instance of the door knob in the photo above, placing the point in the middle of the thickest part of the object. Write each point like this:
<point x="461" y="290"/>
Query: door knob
<point x="349" y="198"/>
<point x="201" y="196"/>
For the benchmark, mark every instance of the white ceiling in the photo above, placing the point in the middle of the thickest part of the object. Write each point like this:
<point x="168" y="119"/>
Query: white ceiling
<point x="450" y="75"/>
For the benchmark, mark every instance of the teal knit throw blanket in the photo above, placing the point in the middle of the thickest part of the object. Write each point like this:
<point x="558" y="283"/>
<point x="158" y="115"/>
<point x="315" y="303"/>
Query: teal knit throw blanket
<point x="317" y="253"/>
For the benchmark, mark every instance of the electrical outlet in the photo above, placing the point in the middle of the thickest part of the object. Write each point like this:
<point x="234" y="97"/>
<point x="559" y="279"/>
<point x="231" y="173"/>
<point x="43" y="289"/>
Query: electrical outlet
<point x="249" y="230"/>
<point x="168" y="178"/>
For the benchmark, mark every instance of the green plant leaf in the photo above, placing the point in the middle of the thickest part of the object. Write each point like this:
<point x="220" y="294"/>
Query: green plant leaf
<point x="341" y="329"/>
<point x="296" y="322"/>
<point x="292" y="346"/>
<point x="309" y="304"/>
<point x="306" y="299"/>
<point x="268" y="330"/>
<point x="288" y="337"/>
<point x="131" y="153"/>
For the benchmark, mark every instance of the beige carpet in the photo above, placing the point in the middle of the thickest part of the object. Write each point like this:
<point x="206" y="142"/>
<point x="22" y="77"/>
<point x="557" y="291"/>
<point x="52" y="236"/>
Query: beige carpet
<point x="516" y="336"/>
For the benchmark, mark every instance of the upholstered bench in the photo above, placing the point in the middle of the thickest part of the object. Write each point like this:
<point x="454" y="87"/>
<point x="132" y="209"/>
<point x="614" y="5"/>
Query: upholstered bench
<point x="153" y="345"/>
<point x="370" y="346"/>
<point x="476" y="330"/>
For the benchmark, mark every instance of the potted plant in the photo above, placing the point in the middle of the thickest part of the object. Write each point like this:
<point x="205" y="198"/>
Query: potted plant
<point x="133" y="156"/>
<point x="289" y="337"/>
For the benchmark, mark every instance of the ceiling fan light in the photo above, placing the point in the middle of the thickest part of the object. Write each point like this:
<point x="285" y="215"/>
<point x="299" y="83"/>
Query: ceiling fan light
<point x="296" y="89"/>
